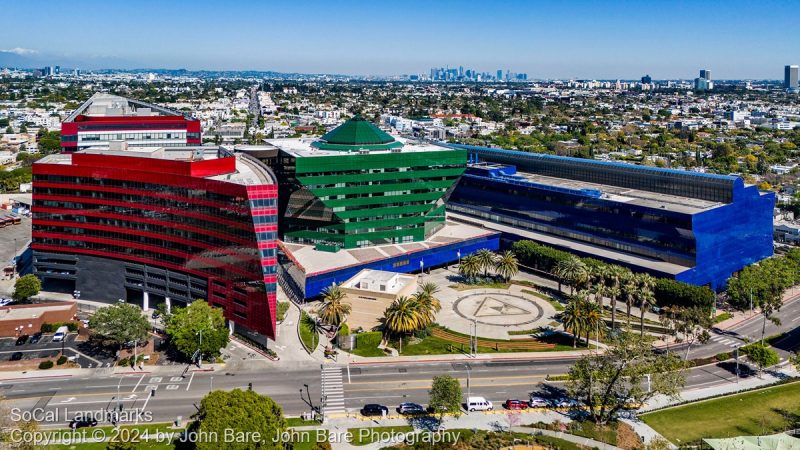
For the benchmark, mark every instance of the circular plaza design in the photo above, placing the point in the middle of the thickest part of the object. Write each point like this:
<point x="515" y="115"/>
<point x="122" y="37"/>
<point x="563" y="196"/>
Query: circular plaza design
<point x="498" y="309"/>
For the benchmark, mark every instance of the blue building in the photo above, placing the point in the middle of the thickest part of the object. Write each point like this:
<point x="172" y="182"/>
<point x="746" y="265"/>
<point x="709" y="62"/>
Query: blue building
<point x="693" y="227"/>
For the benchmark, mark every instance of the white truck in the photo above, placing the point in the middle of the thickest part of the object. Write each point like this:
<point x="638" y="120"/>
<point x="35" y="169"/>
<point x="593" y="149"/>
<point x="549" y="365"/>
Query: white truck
<point x="61" y="333"/>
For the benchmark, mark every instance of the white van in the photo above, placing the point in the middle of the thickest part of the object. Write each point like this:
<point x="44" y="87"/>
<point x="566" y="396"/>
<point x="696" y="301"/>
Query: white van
<point x="61" y="333"/>
<point x="478" y="404"/>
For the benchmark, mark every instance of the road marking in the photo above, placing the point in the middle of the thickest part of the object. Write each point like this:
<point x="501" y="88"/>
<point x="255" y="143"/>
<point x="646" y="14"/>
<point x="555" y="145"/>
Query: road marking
<point x="155" y="380"/>
<point x="173" y="379"/>
<point x="190" y="381"/>
<point x="172" y="387"/>
<point x="137" y="384"/>
<point x="71" y="399"/>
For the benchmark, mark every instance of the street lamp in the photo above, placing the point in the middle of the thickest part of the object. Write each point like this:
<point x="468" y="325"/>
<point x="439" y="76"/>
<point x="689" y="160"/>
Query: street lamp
<point x="469" y="388"/>
<point x="200" y="351"/>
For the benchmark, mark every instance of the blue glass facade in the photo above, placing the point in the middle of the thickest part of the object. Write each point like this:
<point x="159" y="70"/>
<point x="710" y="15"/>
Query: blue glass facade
<point x="730" y="228"/>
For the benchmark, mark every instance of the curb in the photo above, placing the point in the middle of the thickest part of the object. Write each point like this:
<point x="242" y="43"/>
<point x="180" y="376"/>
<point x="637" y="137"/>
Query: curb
<point x="35" y="378"/>
<point x="400" y="360"/>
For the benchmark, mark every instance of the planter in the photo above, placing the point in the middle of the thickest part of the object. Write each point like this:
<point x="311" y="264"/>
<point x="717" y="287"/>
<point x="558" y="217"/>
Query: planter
<point x="346" y="343"/>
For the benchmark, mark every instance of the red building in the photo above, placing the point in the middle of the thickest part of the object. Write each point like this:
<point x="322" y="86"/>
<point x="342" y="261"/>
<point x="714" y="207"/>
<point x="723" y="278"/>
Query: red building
<point x="152" y="225"/>
<point x="105" y="118"/>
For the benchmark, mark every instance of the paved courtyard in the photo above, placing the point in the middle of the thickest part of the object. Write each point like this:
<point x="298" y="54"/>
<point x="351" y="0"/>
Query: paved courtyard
<point x="496" y="311"/>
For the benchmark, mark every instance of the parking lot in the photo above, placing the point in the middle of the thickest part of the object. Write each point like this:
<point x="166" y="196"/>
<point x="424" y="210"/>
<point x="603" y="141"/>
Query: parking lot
<point x="82" y="353"/>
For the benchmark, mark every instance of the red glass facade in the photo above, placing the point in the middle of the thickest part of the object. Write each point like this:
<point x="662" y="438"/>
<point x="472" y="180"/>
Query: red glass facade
<point x="183" y="216"/>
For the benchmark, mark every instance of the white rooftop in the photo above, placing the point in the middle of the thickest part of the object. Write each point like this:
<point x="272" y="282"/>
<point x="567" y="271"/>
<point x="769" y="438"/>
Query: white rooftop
<point x="301" y="147"/>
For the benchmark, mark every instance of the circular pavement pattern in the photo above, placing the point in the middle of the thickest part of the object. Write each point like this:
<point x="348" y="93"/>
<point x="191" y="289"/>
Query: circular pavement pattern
<point x="498" y="309"/>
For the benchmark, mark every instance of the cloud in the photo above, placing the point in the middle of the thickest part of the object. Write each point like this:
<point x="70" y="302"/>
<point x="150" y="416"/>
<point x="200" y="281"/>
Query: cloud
<point x="19" y="51"/>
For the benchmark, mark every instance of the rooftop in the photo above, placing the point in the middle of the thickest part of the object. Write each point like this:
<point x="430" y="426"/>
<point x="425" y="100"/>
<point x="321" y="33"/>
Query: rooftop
<point x="356" y="134"/>
<point x="313" y="261"/>
<point x="249" y="171"/>
<point x="109" y="105"/>
<point x="303" y="147"/>
<point x="380" y="281"/>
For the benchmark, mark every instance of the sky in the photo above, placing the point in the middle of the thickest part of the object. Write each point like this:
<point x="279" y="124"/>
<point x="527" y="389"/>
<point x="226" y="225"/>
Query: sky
<point x="603" y="39"/>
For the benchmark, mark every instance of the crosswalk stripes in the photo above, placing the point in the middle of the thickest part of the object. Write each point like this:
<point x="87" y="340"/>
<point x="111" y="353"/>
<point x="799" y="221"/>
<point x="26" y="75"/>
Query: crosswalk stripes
<point x="332" y="390"/>
<point x="725" y="341"/>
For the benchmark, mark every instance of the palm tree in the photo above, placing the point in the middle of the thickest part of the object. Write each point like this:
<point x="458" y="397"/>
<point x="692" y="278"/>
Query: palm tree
<point x="487" y="260"/>
<point x="646" y="296"/>
<point x="616" y="275"/>
<point x="427" y="304"/>
<point x="507" y="265"/>
<point x="333" y="311"/>
<point x="470" y="267"/>
<point x="592" y="319"/>
<point x="571" y="271"/>
<point x="629" y="289"/>
<point x="402" y="317"/>
<point x="573" y="318"/>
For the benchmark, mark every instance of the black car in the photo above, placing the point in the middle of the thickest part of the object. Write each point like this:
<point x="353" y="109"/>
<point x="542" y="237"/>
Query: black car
<point x="35" y="338"/>
<point x="82" y="423"/>
<point x="16" y="356"/>
<point x="373" y="409"/>
<point x="410" y="408"/>
<point x="22" y="339"/>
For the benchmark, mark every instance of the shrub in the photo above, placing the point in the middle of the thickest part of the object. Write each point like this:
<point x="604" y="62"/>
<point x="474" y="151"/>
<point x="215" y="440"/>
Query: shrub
<point x="723" y="356"/>
<point x="344" y="329"/>
<point x="44" y="365"/>
<point x="122" y="362"/>
<point x="61" y="360"/>
<point x="48" y="328"/>
<point x="52" y="327"/>
<point x="676" y="293"/>
<point x="423" y="333"/>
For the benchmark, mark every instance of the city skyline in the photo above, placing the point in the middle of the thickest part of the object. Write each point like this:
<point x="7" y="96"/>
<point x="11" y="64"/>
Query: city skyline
<point x="579" y="40"/>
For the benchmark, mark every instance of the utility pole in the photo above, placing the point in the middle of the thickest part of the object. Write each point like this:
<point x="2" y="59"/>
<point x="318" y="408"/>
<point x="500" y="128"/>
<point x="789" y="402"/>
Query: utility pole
<point x="469" y="379"/>
<point x="737" y="364"/>
<point x="200" y="351"/>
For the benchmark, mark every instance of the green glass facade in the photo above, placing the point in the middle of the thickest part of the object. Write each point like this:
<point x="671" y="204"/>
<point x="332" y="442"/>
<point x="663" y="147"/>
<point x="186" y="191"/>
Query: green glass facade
<point x="359" y="199"/>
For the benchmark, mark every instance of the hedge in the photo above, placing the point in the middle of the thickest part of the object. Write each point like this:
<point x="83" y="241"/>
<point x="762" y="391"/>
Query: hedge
<point x="52" y="327"/>
<point x="369" y="339"/>
<point x="677" y="293"/>
<point x="44" y="365"/>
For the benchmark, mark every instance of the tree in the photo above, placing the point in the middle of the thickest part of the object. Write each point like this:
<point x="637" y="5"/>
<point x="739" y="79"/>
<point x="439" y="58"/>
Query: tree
<point x="427" y="304"/>
<point x="574" y="317"/>
<point x="198" y="326"/>
<point x="629" y="291"/>
<point x="402" y="317"/>
<point x="120" y="324"/>
<point x="571" y="271"/>
<point x="243" y="413"/>
<point x="645" y="295"/>
<point x="629" y="372"/>
<point x="334" y="311"/>
<point x="444" y="397"/>
<point x="615" y="275"/>
<point x="507" y="265"/>
<point x="469" y="268"/>
<point x="593" y="320"/>
<point x="762" y="355"/>
<point x="486" y="259"/>
<point x="690" y="325"/>
<point x="26" y="287"/>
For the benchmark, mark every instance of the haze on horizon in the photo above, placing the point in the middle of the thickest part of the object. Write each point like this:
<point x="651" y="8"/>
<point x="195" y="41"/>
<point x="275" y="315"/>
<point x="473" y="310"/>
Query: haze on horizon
<point x="575" y="39"/>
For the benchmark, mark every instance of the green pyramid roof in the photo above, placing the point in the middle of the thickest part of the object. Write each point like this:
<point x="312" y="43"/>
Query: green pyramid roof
<point x="356" y="134"/>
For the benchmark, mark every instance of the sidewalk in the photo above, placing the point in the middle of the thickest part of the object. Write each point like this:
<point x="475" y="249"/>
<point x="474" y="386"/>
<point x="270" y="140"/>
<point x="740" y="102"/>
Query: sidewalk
<point x="521" y="356"/>
<point x="490" y="421"/>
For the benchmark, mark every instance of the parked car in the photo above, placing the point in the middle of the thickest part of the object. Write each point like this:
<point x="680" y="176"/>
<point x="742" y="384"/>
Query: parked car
<point x="479" y="404"/>
<point x="16" y="356"/>
<point x="515" y="404"/>
<point x="538" y="402"/>
<point x="35" y="338"/>
<point x="61" y="333"/>
<point x="566" y="402"/>
<point x="410" y="408"/>
<point x="5" y="301"/>
<point x="22" y="340"/>
<point x="373" y="409"/>
<point x="82" y="423"/>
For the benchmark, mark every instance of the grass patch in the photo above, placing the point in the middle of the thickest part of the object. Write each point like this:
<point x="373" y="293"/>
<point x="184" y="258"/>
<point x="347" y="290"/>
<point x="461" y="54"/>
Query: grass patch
<point x="281" y="310"/>
<point x="722" y="317"/>
<point x="309" y="337"/>
<point x="525" y="332"/>
<point x="764" y="411"/>
<point x="300" y="422"/>
<point x="307" y="439"/>
<point x="555" y="303"/>
<point x="367" y="344"/>
<point x="364" y="436"/>
<point x="137" y="433"/>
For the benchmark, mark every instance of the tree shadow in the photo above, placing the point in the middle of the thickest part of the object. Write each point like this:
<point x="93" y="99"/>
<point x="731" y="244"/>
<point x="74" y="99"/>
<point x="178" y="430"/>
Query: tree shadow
<point x="745" y="371"/>
<point x="424" y="422"/>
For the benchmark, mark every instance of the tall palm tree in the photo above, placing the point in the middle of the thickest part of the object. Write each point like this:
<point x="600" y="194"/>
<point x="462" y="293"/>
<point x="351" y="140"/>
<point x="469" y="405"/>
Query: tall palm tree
<point x="630" y="288"/>
<point x="616" y="274"/>
<point x="571" y="271"/>
<point x="402" y="317"/>
<point x="470" y="267"/>
<point x="646" y="296"/>
<point x="573" y="318"/>
<point x="427" y="304"/>
<point x="333" y="311"/>
<point x="592" y="319"/>
<point x="487" y="260"/>
<point x="507" y="265"/>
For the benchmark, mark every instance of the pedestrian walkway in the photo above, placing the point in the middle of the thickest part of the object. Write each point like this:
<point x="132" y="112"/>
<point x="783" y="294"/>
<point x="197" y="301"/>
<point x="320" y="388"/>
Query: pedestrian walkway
<point x="332" y="390"/>
<point x="730" y="342"/>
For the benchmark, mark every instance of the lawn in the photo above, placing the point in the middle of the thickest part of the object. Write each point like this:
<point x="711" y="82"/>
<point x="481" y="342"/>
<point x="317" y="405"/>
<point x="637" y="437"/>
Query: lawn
<point x="281" y="310"/>
<point x="309" y="337"/>
<point x="555" y="303"/>
<point x="364" y="436"/>
<point x="764" y="411"/>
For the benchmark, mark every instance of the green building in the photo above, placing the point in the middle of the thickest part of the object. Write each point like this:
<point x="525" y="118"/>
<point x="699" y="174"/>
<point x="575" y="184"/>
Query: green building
<point x="357" y="186"/>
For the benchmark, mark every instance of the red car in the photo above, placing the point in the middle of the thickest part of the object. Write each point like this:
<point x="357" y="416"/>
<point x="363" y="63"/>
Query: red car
<point x="515" y="404"/>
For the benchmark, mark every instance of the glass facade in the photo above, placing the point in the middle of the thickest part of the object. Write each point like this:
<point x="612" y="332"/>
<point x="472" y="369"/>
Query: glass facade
<point x="220" y="232"/>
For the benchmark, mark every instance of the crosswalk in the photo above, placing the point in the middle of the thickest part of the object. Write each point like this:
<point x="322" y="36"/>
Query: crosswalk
<point x="725" y="340"/>
<point x="332" y="390"/>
